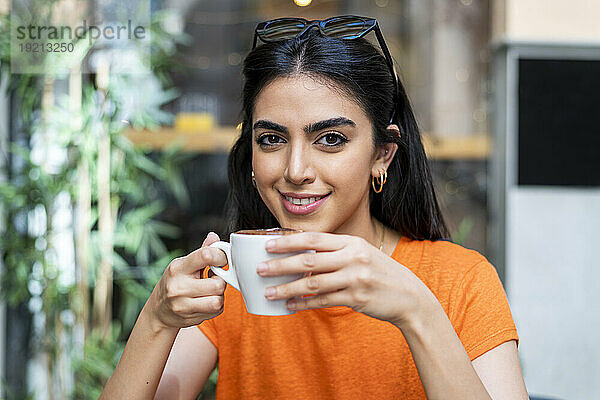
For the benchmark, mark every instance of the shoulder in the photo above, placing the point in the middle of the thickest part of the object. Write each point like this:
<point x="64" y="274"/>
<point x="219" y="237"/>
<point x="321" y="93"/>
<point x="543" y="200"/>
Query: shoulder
<point x="448" y="269"/>
<point x="451" y="257"/>
<point x="442" y="257"/>
<point x="461" y="279"/>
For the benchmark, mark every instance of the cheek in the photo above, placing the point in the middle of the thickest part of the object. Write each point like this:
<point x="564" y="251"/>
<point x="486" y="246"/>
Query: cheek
<point x="268" y="168"/>
<point x="348" y="174"/>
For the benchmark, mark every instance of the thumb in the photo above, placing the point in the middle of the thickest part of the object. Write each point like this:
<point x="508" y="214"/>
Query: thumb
<point x="210" y="239"/>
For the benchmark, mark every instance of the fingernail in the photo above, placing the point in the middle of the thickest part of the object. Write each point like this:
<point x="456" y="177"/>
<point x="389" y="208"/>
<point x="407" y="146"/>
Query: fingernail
<point x="260" y="268"/>
<point x="270" y="245"/>
<point x="270" y="292"/>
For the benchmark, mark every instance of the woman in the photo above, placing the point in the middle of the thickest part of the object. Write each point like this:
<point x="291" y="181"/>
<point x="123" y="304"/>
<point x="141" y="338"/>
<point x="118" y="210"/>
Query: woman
<point x="329" y="145"/>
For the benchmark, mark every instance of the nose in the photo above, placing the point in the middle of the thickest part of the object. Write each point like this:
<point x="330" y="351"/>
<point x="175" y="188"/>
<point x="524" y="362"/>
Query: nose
<point x="298" y="170"/>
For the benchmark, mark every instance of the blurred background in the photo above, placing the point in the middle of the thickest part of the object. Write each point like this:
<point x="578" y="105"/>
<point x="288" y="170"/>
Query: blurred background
<point x="106" y="176"/>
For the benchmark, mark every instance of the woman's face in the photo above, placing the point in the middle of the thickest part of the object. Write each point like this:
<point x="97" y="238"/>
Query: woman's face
<point x="313" y="156"/>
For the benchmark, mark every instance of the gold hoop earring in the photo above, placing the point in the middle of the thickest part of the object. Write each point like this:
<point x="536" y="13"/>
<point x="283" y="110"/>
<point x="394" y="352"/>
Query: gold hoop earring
<point x="381" y="179"/>
<point x="253" y="180"/>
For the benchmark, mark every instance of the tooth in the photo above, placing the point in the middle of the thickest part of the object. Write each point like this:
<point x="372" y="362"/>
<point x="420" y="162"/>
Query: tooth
<point x="312" y="200"/>
<point x="304" y="201"/>
<point x="297" y="202"/>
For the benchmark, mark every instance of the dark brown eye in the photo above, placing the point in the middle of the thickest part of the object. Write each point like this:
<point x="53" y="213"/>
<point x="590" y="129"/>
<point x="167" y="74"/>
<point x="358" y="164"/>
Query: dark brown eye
<point x="272" y="139"/>
<point x="269" y="140"/>
<point x="332" y="139"/>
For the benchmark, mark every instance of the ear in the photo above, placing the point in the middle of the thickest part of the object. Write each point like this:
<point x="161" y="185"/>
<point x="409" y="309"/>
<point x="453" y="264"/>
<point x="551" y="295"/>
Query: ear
<point x="384" y="154"/>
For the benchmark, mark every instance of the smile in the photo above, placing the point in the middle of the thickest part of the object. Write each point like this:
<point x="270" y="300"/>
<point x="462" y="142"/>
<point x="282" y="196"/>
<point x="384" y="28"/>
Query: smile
<point x="302" y="203"/>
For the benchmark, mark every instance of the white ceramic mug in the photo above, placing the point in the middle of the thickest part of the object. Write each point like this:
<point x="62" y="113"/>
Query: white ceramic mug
<point x="244" y="252"/>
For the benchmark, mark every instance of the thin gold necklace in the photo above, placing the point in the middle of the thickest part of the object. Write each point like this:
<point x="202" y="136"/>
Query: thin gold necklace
<point x="382" y="236"/>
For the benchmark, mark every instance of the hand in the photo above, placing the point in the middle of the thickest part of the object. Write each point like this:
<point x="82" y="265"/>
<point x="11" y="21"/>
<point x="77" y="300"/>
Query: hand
<point x="345" y="271"/>
<point x="182" y="298"/>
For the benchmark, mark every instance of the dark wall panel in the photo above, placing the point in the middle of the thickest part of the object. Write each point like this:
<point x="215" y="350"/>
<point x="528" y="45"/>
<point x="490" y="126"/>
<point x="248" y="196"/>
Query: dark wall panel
<point x="559" y="122"/>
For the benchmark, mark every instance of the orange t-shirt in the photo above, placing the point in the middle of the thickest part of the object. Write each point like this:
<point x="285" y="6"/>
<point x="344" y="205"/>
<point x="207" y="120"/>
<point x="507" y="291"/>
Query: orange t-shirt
<point x="338" y="353"/>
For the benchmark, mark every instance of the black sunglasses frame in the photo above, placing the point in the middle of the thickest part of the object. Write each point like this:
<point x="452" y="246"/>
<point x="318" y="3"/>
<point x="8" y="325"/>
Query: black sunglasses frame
<point x="370" y="24"/>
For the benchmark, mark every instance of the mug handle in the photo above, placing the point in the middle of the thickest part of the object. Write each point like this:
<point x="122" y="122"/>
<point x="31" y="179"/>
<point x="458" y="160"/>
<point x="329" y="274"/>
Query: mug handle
<point x="228" y="276"/>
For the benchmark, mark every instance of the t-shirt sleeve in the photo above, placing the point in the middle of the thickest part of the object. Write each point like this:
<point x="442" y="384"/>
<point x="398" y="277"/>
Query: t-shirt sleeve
<point x="480" y="314"/>
<point x="208" y="328"/>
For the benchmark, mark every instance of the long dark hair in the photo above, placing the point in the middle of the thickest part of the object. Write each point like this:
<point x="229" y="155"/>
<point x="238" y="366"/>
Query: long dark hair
<point x="408" y="203"/>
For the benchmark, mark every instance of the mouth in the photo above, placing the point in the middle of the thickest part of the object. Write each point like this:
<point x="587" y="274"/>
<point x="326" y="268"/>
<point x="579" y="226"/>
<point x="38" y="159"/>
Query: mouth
<point x="302" y="203"/>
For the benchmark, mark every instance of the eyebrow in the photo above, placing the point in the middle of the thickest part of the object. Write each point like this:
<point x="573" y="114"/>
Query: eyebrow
<point x="270" y="125"/>
<point x="310" y="128"/>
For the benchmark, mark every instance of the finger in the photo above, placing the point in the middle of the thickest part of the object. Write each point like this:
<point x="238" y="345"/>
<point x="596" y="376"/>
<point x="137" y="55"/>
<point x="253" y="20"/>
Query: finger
<point x="194" y="261"/>
<point x="214" y="286"/>
<point x="198" y="318"/>
<point x="339" y="298"/>
<point x="321" y="283"/>
<point x="209" y="273"/>
<point x="306" y="262"/>
<point x="319" y="241"/>
<point x="201" y="258"/>
<point x="210" y="239"/>
<point x="203" y="305"/>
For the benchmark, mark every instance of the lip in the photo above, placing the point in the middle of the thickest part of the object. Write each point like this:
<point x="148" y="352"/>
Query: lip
<point x="302" y="209"/>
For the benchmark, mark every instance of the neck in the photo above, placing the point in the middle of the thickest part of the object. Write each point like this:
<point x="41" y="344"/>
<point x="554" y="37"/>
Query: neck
<point x="364" y="225"/>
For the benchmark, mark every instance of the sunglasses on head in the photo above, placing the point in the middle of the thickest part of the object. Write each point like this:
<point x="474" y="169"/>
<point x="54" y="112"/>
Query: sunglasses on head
<point x="345" y="27"/>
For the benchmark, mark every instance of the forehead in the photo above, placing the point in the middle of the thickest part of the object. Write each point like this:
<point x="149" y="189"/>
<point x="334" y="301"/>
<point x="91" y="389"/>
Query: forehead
<point x="303" y="99"/>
